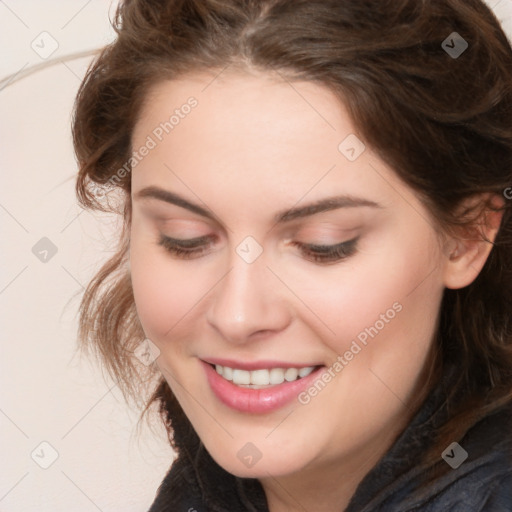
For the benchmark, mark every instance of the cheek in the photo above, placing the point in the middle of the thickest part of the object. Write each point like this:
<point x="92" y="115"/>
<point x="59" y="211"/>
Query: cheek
<point x="390" y="292"/>
<point x="164" y="294"/>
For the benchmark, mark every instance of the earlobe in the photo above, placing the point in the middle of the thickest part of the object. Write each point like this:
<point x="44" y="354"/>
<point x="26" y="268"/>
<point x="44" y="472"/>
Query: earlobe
<point x="466" y="257"/>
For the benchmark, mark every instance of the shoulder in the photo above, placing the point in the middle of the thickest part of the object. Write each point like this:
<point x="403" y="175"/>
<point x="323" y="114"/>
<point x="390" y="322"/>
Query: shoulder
<point x="476" y="474"/>
<point x="480" y="477"/>
<point x="489" y="463"/>
<point x="499" y="499"/>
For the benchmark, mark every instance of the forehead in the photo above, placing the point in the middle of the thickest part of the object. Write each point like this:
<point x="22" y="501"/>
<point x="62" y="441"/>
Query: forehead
<point x="256" y="139"/>
<point x="242" y="121"/>
<point x="238" y="105"/>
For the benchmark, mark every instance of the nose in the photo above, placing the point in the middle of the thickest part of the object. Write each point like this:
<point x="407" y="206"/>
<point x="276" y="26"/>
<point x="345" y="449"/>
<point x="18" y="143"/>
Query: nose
<point x="248" y="302"/>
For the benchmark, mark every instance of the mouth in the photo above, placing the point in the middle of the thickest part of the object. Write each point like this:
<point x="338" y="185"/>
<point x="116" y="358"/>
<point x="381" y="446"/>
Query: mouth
<point x="260" y="390"/>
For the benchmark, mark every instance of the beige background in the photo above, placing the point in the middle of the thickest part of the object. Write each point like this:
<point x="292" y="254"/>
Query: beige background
<point x="48" y="394"/>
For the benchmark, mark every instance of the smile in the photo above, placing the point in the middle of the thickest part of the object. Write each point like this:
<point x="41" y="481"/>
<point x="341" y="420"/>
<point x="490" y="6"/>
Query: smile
<point x="260" y="390"/>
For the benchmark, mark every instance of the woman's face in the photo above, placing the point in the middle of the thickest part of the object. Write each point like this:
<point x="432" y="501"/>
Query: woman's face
<point x="258" y="178"/>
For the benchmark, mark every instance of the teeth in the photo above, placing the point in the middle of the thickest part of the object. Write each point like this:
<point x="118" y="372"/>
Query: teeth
<point x="241" y="377"/>
<point x="304" y="372"/>
<point x="276" y="376"/>
<point x="257" y="379"/>
<point x="291" y="374"/>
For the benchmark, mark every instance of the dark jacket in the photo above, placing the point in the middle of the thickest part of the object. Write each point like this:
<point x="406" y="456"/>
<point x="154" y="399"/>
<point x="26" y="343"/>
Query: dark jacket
<point x="482" y="483"/>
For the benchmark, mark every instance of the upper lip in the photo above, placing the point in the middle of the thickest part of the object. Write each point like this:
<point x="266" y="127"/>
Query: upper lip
<point x="256" y="365"/>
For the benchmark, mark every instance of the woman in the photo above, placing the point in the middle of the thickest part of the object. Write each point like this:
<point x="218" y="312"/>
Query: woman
<point x="313" y="272"/>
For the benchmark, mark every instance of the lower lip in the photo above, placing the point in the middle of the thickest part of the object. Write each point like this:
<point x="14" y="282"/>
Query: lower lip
<point x="257" y="400"/>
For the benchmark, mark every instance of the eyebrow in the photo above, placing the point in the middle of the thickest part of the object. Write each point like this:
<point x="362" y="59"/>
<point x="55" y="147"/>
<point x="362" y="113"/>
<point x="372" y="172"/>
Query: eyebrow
<point x="322" y="205"/>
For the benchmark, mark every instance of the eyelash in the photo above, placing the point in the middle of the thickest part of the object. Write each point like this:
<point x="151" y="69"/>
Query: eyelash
<point x="328" y="253"/>
<point x="195" y="247"/>
<point x="185" y="249"/>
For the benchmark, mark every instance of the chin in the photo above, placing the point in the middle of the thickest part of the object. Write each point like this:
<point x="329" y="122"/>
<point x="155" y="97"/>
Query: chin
<point x="241" y="465"/>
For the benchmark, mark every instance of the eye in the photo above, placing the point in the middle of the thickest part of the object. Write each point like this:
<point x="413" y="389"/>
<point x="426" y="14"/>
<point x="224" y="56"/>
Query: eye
<point x="185" y="249"/>
<point x="328" y="253"/>
<point x="195" y="247"/>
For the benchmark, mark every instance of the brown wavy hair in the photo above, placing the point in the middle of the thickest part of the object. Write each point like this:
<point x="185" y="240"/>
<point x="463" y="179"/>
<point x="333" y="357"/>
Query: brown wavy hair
<point x="443" y="124"/>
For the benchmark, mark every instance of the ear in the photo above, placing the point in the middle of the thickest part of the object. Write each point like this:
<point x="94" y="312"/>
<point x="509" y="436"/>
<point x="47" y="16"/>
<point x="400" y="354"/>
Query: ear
<point x="466" y="255"/>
